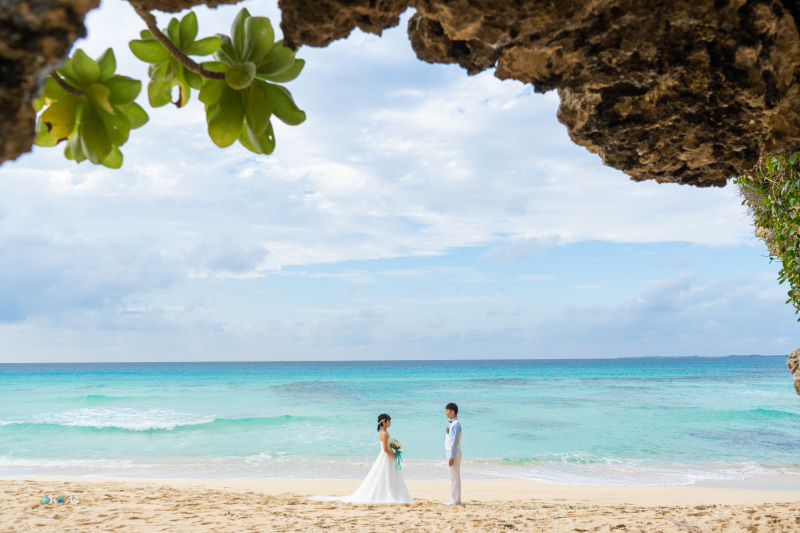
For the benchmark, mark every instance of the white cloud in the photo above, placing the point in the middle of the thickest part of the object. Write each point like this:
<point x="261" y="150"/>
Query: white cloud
<point x="398" y="159"/>
<point x="355" y="331"/>
<point x="679" y="316"/>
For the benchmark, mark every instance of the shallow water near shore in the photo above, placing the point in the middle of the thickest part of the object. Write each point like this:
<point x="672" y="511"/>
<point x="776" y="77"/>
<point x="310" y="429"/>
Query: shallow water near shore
<point x="641" y="421"/>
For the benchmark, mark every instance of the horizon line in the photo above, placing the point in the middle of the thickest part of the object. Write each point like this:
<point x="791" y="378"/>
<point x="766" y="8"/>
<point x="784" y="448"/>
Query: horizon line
<point x="396" y="360"/>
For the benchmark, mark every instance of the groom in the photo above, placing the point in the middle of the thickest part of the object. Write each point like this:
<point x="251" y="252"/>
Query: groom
<point x="452" y="445"/>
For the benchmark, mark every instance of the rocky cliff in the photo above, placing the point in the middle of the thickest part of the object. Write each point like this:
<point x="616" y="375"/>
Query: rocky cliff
<point x="34" y="36"/>
<point x="794" y="367"/>
<point x="676" y="91"/>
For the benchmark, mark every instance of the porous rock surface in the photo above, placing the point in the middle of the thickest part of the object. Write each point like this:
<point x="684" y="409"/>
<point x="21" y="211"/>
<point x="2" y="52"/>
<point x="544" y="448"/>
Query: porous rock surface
<point x="794" y="366"/>
<point x="671" y="90"/>
<point x="676" y="91"/>
<point x="34" y="36"/>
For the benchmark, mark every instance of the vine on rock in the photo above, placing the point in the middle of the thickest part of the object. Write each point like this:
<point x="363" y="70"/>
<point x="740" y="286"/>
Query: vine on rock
<point x="92" y="108"/>
<point x="772" y="194"/>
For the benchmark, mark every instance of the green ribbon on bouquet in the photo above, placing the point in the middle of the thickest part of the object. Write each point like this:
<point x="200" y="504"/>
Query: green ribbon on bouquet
<point x="399" y="458"/>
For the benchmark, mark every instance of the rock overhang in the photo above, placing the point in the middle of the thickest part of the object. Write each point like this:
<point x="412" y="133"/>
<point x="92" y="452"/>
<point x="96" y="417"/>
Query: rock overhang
<point x="672" y="91"/>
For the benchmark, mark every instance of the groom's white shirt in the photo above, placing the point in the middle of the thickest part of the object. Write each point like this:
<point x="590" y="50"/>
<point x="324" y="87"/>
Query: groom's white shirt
<point x="452" y="439"/>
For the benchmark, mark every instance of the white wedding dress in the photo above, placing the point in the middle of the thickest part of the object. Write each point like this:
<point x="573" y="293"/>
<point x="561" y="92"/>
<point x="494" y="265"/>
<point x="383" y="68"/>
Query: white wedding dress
<point x="383" y="484"/>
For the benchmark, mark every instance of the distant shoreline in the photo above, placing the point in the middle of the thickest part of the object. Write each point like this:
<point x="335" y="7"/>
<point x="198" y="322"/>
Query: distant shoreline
<point x="296" y="361"/>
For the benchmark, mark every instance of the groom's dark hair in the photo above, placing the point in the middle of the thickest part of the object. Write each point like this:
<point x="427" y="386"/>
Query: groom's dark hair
<point x="453" y="407"/>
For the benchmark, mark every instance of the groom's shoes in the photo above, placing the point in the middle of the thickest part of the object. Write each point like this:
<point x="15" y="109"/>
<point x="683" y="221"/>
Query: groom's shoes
<point x="451" y="503"/>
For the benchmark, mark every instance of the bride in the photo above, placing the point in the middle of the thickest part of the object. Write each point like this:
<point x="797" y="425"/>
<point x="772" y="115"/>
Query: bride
<point x="384" y="483"/>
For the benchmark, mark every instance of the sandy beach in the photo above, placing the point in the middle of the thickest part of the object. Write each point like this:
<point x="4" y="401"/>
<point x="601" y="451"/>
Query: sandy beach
<point x="282" y="505"/>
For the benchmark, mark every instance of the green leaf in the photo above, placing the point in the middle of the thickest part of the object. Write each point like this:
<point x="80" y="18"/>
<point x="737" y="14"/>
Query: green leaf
<point x="259" y="38"/>
<point x="38" y="102"/>
<point x="203" y="47"/>
<point x="238" y="32"/>
<point x="282" y="105"/>
<point x="114" y="159"/>
<point x="188" y="29"/>
<point x="793" y="159"/>
<point x="60" y="117"/>
<point x="117" y="127"/>
<point x="226" y="53"/>
<point x="184" y="94"/>
<point x="210" y="110"/>
<point x="94" y="138"/>
<point x="108" y="64"/>
<point x="184" y="91"/>
<point x="171" y="71"/>
<point x="195" y="81"/>
<point x="279" y="59"/>
<point x="212" y="91"/>
<point x="226" y="124"/>
<point x="124" y="90"/>
<point x="136" y="114"/>
<point x="68" y="73"/>
<point x="156" y="71"/>
<point x="264" y="143"/>
<point x="43" y="137"/>
<point x="244" y="139"/>
<point x="73" y="149"/>
<point x="86" y="69"/>
<point x="146" y="35"/>
<point x="159" y="93"/>
<point x="258" y="108"/>
<point x="99" y="95"/>
<point x="288" y="74"/>
<point x="215" y="66"/>
<point x="241" y="76"/>
<point x="174" y="32"/>
<point x="150" y="51"/>
<point x="53" y="90"/>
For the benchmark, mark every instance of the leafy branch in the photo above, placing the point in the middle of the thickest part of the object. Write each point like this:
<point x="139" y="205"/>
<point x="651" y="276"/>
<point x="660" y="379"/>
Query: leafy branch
<point x="176" y="52"/>
<point x="66" y="86"/>
<point x="93" y="109"/>
<point x="772" y="194"/>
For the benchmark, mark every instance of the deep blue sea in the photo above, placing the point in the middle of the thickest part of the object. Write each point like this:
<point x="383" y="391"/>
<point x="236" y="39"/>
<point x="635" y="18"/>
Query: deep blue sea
<point x="641" y="421"/>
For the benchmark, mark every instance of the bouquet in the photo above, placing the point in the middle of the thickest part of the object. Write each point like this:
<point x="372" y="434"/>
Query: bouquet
<point x="395" y="447"/>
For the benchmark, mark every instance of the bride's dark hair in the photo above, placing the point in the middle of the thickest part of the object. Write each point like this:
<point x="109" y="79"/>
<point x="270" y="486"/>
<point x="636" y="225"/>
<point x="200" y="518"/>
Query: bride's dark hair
<point x="381" y="419"/>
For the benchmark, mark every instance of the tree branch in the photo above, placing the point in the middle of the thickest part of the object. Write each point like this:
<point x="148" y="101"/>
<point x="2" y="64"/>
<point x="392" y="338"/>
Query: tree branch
<point x="184" y="60"/>
<point x="64" y="85"/>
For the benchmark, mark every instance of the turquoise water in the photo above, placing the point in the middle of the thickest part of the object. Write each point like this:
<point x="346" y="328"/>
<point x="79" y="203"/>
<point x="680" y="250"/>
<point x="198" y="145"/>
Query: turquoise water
<point x="625" y="421"/>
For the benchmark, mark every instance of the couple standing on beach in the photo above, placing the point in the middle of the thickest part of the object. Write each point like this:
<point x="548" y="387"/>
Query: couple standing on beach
<point x="385" y="483"/>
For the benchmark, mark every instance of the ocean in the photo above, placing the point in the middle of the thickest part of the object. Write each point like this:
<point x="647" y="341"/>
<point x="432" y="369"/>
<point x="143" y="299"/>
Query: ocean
<point x="646" y="421"/>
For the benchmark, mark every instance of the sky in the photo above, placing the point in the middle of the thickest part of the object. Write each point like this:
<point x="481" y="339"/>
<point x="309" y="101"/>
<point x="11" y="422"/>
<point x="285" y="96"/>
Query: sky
<point x="418" y="213"/>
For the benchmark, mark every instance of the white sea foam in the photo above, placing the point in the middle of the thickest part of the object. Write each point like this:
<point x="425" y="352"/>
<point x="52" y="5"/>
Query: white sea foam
<point x="617" y="472"/>
<point x="122" y="418"/>
<point x="282" y="466"/>
<point x="12" y="462"/>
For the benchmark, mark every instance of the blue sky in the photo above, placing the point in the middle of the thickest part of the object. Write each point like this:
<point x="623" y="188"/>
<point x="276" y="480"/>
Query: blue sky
<point x="417" y="213"/>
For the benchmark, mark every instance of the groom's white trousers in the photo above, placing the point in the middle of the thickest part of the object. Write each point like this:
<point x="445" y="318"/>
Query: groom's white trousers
<point x="455" y="478"/>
